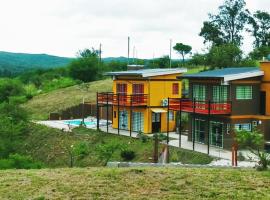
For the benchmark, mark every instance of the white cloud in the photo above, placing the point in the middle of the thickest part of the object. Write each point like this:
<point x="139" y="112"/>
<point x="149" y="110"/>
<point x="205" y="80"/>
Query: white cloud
<point x="62" y="27"/>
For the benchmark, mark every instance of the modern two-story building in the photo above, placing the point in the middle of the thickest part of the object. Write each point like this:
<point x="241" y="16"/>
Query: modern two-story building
<point x="222" y="101"/>
<point x="139" y="99"/>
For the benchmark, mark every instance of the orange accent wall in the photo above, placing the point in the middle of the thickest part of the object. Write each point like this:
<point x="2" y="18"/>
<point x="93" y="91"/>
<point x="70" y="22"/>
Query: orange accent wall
<point x="265" y="86"/>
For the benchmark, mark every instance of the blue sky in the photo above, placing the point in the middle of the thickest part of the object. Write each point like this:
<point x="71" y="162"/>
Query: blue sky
<point x="62" y="27"/>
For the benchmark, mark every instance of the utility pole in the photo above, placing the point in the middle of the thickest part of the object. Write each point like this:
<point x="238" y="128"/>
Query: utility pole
<point x="170" y="53"/>
<point x="134" y="49"/>
<point x="128" y="49"/>
<point x="100" y="45"/>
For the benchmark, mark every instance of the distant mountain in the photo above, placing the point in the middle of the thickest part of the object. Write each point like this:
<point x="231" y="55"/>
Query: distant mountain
<point x="18" y="62"/>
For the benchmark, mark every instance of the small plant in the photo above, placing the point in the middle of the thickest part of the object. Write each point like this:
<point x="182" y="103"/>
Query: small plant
<point x="254" y="142"/>
<point x="127" y="155"/>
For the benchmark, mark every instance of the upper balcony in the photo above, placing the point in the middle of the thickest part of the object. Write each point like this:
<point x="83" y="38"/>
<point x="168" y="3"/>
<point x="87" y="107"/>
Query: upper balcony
<point x="133" y="100"/>
<point x="200" y="107"/>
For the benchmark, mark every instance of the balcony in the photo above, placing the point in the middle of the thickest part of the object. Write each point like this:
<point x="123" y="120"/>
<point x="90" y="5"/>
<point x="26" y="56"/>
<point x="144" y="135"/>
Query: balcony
<point x="200" y="107"/>
<point x="122" y="99"/>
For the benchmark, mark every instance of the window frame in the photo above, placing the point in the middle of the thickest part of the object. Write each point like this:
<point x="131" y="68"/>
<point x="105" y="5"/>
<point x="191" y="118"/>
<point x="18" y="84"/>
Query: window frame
<point x="175" y="88"/>
<point x="244" y="92"/>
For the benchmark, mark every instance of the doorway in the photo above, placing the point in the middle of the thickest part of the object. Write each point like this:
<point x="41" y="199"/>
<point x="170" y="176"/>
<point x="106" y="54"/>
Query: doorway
<point x="156" y="122"/>
<point x="216" y="134"/>
<point x="262" y="102"/>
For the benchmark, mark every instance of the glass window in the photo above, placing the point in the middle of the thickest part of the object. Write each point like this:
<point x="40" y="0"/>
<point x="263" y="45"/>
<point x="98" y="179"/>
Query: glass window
<point x="175" y="88"/>
<point x="171" y="115"/>
<point x="121" y="88"/>
<point x="199" y="92"/>
<point x="243" y="127"/>
<point x="243" y="92"/>
<point x="137" y="121"/>
<point x="200" y="130"/>
<point x="138" y="88"/>
<point x="220" y="93"/>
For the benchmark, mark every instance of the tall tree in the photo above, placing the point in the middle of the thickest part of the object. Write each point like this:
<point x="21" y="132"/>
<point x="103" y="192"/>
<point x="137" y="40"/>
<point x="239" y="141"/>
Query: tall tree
<point x="225" y="55"/>
<point x="86" y="67"/>
<point x="260" y="28"/>
<point x="182" y="49"/>
<point x="227" y="25"/>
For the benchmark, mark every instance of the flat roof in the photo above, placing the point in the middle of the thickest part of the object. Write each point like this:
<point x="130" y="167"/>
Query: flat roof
<point x="227" y="74"/>
<point x="148" y="72"/>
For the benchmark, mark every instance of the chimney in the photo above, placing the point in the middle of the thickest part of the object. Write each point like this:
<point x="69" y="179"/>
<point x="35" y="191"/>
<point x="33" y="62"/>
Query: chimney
<point x="265" y="86"/>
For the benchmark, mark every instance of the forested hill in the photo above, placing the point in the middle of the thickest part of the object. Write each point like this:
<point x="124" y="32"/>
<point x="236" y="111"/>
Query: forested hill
<point x="18" y="62"/>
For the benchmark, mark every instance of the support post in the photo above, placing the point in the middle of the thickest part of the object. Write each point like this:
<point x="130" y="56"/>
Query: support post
<point x="118" y="116"/>
<point x="193" y="127"/>
<point x="130" y="121"/>
<point x="208" y="126"/>
<point x="155" y="148"/>
<point x="107" y="113"/>
<point x="97" y="114"/>
<point x="180" y="121"/>
<point x="168" y="116"/>
<point x="83" y="112"/>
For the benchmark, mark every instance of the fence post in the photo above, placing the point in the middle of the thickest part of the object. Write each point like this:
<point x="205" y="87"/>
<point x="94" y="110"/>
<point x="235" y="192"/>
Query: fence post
<point x="193" y="121"/>
<point x="168" y="118"/>
<point x="180" y="122"/>
<point x="208" y="135"/>
<point x="118" y="116"/>
<point x="107" y="113"/>
<point x="97" y="113"/>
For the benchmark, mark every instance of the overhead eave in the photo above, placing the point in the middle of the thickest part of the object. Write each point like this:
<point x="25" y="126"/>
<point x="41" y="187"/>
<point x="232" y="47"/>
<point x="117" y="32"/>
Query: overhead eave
<point x="245" y="75"/>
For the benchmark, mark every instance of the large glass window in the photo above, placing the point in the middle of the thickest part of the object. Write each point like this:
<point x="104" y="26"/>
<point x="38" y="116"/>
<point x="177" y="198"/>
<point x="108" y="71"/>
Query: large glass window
<point x="243" y="92"/>
<point x="171" y="115"/>
<point x="137" y="121"/>
<point x="220" y="93"/>
<point x="216" y="134"/>
<point x="200" y="130"/>
<point x="199" y="92"/>
<point x="121" y="88"/>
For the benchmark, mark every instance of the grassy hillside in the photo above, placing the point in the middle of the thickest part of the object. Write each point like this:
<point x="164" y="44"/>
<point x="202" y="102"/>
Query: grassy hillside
<point x="51" y="146"/>
<point x="18" y="62"/>
<point x="132" y="183"/>
<point x="40" y="106"/>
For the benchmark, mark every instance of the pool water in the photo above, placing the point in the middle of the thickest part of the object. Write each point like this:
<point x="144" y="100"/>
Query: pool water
<point x="78" y="122"/>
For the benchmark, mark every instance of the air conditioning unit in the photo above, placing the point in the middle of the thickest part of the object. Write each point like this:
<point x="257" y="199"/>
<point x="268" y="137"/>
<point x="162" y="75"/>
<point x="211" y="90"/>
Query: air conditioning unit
<point x="164" y="102"/>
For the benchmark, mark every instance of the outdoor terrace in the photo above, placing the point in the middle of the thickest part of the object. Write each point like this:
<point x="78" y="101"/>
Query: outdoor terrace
<point x="199" y="107"/>
<point x="122" y="99"/>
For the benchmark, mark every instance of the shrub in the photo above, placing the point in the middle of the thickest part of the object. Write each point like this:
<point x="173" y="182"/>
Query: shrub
<point x="127" y="155"/>
<point x="17" y="161"/>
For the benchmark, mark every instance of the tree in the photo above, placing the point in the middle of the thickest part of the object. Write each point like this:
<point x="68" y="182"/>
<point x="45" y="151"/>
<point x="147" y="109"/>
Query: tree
<point x="211" y="33"/>
<point x="9" y="88"/>
<point x="260" y="28"/>
<point x="260" y="52"/>
<point x="227" y="25"/>
<point x="86" y="67"/>
<point x="223" y="56"/>
<point x="182" y="49"/>
<point x="254" y="141"/>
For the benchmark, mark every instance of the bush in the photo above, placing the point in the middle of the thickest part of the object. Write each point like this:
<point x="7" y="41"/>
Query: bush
<point x="17" y="161"/>
<point x="127" y="155"/>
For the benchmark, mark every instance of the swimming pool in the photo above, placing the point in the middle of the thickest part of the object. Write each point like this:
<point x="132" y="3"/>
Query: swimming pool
<point x="79" y="122"/>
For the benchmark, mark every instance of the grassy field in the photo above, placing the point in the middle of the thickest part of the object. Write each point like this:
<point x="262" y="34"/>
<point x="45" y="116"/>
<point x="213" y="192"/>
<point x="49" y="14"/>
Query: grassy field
<point x="134" y="183"/>
<point x="51" y="146"/>
<point x="40" y="106"/>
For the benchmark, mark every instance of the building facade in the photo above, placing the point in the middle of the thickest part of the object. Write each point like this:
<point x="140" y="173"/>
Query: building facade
<point x="139" y="99"/>
<point x="225" y="100"/>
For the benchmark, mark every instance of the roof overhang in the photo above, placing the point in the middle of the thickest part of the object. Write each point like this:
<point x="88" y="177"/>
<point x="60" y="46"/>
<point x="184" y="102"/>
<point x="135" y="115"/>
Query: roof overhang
<point x="158" y="110"/>
<point x="245" y="75"/>
<point x="146" y="73"/>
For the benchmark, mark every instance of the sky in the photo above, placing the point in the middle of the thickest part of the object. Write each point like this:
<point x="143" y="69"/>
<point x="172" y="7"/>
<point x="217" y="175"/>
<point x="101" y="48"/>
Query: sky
<point x="62" y="27"/>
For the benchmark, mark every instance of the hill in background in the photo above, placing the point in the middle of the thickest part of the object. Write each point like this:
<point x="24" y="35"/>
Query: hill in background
<point x="13" y="63"/>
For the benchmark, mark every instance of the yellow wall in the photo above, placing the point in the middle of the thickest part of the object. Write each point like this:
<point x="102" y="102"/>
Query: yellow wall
<point x="157" y="88"/>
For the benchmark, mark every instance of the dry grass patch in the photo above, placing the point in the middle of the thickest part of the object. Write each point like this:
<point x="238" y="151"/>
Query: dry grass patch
<point x="40" y="106"/>
<point x="134" y="183"/>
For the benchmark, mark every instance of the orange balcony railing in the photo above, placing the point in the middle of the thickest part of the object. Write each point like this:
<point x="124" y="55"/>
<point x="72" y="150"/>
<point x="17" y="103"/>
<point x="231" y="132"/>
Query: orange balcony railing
<point x="122" y="99"/>
<point x="200" y="107"/>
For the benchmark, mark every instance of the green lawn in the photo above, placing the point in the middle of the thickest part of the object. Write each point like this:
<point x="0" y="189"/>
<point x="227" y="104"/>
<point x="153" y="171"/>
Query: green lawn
<point x="135" y="183"/>
<point x="51" y="147"/>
